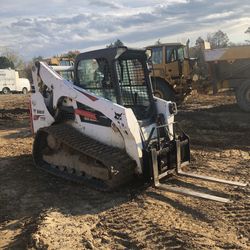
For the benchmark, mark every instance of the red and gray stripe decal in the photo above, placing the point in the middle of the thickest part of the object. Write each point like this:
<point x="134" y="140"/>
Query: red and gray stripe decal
<point x="87" y="114"/>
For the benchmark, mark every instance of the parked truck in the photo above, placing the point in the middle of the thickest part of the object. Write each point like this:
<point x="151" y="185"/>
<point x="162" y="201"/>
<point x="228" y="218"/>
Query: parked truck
<point x="10" y="82"/>
<point x="230" y="68"/>
<point x="171" y="73"/>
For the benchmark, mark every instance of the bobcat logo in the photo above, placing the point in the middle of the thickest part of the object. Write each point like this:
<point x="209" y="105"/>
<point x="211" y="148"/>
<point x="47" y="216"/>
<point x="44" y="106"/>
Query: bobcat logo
<point x="118" y="116"/>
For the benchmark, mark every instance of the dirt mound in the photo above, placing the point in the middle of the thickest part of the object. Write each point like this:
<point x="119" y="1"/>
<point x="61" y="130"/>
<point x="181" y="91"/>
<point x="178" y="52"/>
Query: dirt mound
<point x="58" y="231"/>
<point x="14" y="111"/>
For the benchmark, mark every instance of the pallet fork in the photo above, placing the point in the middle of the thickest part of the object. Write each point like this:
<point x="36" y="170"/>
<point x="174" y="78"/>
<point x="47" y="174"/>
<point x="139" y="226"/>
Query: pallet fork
<point x="179" y="172"/>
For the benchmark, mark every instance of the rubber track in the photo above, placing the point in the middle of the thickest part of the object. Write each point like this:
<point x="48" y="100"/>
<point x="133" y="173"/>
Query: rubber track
<point x="110" y="157"/>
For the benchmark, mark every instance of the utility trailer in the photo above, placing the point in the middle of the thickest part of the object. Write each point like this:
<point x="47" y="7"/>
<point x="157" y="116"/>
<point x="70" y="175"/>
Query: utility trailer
<point x="10" y="82"/>
<point x="230" y="68"/>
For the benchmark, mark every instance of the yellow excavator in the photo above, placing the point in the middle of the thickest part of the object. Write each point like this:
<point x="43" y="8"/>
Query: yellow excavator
<point x="171" y="71"/>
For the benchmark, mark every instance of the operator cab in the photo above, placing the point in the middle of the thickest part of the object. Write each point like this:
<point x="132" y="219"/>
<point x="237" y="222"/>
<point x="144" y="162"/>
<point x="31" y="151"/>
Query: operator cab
<point x="119" y="75"/>
<point x="170" y="54"/>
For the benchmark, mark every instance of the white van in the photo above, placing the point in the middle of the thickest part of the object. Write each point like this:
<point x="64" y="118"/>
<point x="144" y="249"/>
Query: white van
<point x="10" y="82"/>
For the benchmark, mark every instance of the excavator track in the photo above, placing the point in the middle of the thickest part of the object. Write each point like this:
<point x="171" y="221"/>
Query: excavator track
<point x="114" y="166"/>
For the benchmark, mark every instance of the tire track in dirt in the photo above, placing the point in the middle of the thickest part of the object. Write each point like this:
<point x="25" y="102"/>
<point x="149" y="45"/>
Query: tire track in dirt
<point x="220" y="139"/>
<point x="238" y="213"/>
<point x="232" y="164"/>
<point x="149" y="224"/>
<point x="128" y="227"/>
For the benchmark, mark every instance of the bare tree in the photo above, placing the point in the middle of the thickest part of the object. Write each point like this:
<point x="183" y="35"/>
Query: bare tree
<point x="71" y="54"/>
<point x="218" y="39"/>
<point x="248" y="32"/>
<point x="27" y="71"/>
<point x="6" y="63"/>
<point x="197" y="52"/>
<point x="199" y="42"/>
<point x="14" y="57"/>
<point x="117" y="43"/>
<point x="37" y="58"/>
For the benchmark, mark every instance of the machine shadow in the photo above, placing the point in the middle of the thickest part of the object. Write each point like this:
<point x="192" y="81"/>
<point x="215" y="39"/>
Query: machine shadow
<point x="14" y="112"/>
<point x="22" y="132"/>
<point x="192" y="186"/>
<point x="27" y="193"/>
<point x="196" y="214"/>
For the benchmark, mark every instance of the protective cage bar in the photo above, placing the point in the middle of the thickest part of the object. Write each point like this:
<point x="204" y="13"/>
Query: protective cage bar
<point x="134" y="86"/>
<point x="166" y="128"/>
<point x="180" y="190"/>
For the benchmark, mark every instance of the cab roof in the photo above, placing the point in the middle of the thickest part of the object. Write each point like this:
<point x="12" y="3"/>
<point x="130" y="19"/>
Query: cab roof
<point x="165" y="44"/>
<point x="112" y="53"/>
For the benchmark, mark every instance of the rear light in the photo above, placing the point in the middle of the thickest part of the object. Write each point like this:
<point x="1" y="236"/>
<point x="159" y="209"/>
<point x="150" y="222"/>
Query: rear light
<point x="172" y="107"/>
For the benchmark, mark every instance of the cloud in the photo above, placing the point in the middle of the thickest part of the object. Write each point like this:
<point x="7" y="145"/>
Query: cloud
<point x="217" y="16"/>
<point x="53" y="27"/>
<point x="105" y="4"/>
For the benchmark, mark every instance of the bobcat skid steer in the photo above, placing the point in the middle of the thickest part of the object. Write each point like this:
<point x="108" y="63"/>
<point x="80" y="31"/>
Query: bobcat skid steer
<point x="106" y="127"/>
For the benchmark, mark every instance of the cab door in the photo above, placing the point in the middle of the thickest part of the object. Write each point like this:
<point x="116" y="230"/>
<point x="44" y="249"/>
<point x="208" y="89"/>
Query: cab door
<point x="172" y="64"/>
<point x="157" y="56"/>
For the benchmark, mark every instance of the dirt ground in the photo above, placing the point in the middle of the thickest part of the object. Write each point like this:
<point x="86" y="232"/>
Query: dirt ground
<point x="39" y="211"/>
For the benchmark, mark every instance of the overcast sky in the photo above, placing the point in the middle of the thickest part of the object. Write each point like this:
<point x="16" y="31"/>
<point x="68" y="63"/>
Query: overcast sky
<point x="50" y="27"/>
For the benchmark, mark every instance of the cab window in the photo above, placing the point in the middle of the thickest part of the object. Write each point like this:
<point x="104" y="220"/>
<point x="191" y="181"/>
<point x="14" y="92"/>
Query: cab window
<point x="171" y="54"/>
<point x="157" y="55"/>
<point x="181" y="54"/>
<point x="94" y="75"/>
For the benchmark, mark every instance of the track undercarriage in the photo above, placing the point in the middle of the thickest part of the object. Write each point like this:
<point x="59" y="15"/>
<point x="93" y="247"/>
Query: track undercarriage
<point x="65" y="152"/>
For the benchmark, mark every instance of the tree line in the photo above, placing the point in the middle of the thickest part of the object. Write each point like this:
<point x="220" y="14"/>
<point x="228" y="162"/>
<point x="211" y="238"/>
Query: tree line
<point x="11" y="59"/>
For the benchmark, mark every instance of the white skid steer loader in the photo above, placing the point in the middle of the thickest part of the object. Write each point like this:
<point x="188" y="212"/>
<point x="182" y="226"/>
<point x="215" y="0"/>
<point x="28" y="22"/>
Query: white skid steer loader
<point x="106" y="127"/>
